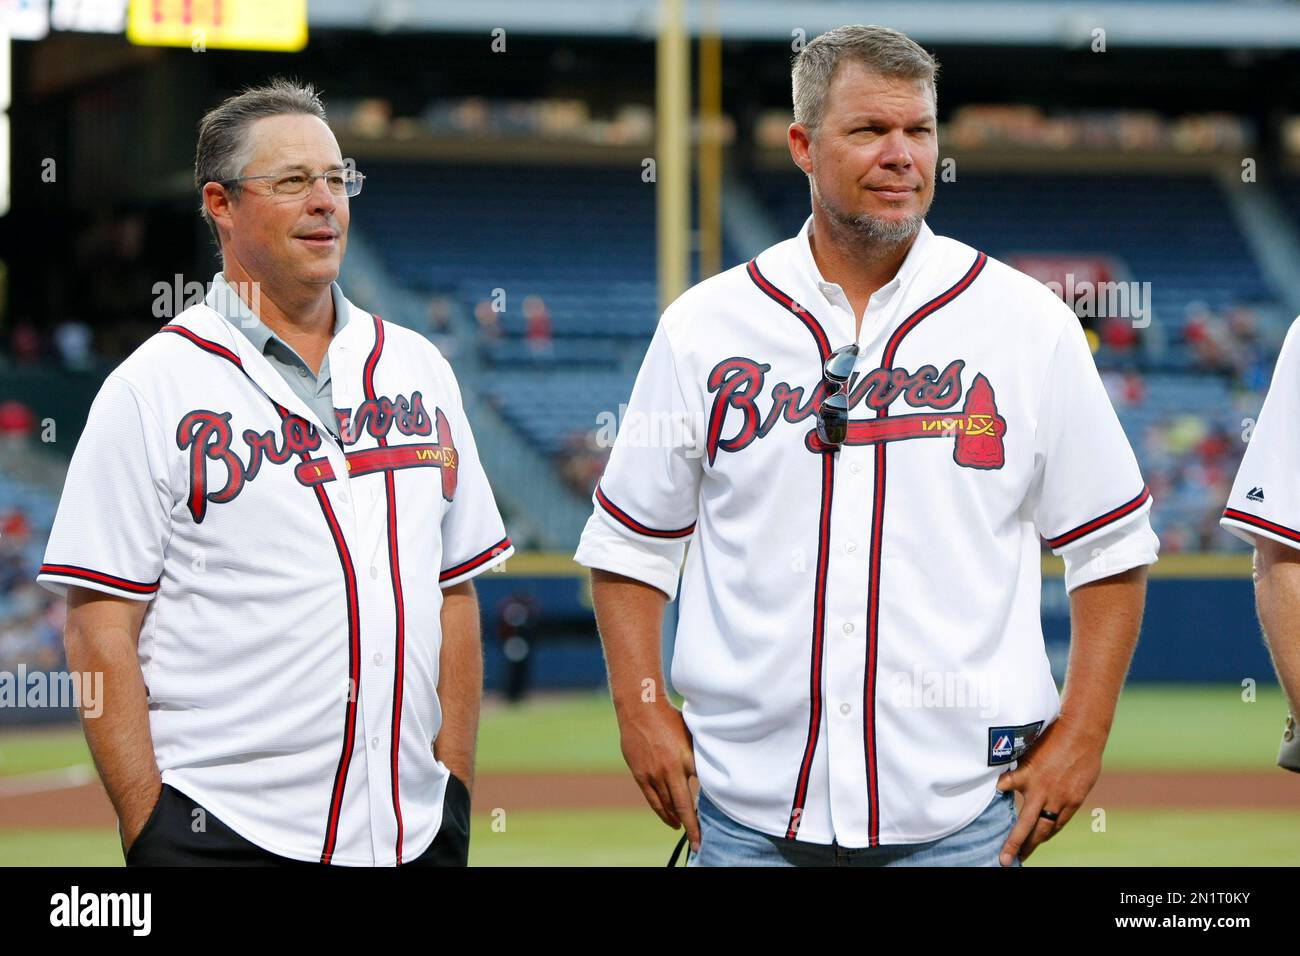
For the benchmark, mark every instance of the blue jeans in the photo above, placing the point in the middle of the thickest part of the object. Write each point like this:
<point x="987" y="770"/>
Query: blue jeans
<point x="724" y="842"/>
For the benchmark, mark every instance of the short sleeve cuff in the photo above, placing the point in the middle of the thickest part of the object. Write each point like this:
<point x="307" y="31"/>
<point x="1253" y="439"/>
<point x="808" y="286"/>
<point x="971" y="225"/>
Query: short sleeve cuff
<point x="1247" y="527"/>
<point x="59" y="577"/>
<point x="476" y="565"/>
<point x="1091" y="529"/>
<point x="1121" y="549"/>
<point x="605" y="548"/>
<point x="616" y="513"/>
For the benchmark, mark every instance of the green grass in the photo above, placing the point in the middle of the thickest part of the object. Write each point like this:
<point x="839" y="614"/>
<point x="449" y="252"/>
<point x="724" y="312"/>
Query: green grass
<point x="1176" y="727"/>
<point x="570" y="733"/>
<point x="31" y="751"/>
<point x="1196" y="727"/>
<point x="1157" y="727"/>
<point x="98" y="847"/>
<point x="637" y="838"/>
<point x="1177" y="838"/>
<point x="563" y="733"/>
<point x="520" y="838"/>
<point x="572" y="838"/>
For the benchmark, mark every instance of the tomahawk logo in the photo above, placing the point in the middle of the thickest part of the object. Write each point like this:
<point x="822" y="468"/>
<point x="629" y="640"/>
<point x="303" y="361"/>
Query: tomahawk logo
<point x="977" y="431"/>
<point x="75" y="908"/>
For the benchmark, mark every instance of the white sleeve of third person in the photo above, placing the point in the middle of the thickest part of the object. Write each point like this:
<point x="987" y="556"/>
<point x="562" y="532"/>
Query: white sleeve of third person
<point x="1265" y="498"/>
<point x="647" y="500"/>
<point x="1092" y="506"/>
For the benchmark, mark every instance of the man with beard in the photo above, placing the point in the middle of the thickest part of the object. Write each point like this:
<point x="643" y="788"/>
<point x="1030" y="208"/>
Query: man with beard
<point x="876" y="426"/>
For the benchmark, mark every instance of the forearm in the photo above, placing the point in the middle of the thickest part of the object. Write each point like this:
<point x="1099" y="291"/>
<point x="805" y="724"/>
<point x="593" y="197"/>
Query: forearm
<point x="652" y="733"/>
<point x="1277" y="599"/>
<point x="630" y="617"/>
<point x="1105" y="619"/>
<point x="460" y="682"/>
<point x="119" y="738"/>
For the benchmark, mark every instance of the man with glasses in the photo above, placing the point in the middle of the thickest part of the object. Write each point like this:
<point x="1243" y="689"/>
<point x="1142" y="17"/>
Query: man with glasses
<point x="267" y="536"/>
<point x="874" y="427"/>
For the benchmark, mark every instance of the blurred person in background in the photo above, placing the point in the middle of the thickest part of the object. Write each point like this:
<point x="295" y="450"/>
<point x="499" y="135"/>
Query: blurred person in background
<point x="537" y="326"/>
<point x="489" y="322"/>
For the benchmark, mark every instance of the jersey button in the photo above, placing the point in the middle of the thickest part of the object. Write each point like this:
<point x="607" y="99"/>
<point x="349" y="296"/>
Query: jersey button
<point x="379" y="659"/>
<point x="374" y="571"/>
<point x="850" y="547"/>
<point x="374" y="742"/>
<point x="848" y="627"/>
<point x="855" y="468"/>
<point x="845" y="709"/>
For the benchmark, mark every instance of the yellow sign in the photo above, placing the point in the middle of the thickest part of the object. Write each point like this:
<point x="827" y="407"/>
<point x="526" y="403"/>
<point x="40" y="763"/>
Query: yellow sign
<point x="219" y="24"/>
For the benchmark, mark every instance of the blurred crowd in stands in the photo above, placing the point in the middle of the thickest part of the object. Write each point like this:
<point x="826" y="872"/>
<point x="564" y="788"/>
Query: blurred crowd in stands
<point x="70" y="345"/>
<point x="538" y="333"/>
<point x="31" y="618"/>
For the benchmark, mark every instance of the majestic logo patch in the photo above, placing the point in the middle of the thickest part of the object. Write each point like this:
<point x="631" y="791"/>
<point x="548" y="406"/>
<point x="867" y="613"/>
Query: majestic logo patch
<point x="1008" y="743"/>
<point x="1255" y="494"/>
<point x="208" y="436"/>
<point x="977" y="430"/>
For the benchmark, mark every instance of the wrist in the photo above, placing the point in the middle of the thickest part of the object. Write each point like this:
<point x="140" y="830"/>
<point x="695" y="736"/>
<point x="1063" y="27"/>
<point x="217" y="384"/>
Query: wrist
<point x="633" y="708"/>
<point x="1090" y="730"/>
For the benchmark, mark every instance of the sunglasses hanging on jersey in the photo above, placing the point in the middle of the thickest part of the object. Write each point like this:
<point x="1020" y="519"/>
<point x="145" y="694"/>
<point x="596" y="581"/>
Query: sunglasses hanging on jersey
<point x="833" y="410"/>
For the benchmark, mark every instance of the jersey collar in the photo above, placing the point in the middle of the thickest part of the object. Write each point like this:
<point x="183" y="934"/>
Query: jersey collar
<point x="347" y="353"/>
<point x="806" y="265"/>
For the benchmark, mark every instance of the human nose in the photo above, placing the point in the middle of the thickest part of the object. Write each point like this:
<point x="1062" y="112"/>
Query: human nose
<point x="894" y="151"/>
<point x="319" y="197"/>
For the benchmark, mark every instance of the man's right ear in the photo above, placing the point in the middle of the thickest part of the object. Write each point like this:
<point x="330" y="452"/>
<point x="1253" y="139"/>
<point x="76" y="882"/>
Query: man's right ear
<point x="799" y="141"/>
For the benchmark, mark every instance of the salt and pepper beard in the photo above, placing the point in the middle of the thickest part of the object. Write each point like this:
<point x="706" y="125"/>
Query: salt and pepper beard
<point x="870" y="231"/>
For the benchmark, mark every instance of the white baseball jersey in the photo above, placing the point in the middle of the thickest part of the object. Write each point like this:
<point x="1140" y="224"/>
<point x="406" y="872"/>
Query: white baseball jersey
<point x="291" y="644"/>
<point x="858" y="643"/>
<point x="1265" y="498"/>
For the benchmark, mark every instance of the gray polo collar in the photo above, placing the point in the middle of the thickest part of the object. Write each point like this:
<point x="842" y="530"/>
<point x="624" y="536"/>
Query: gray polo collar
<point x="223" y="298"/>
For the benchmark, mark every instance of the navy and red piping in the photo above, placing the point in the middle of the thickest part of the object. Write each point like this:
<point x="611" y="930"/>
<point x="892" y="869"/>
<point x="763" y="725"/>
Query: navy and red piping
<point x="354" y="613"/>
<point x="817" y="649"/>
<point x="625" y="519"/>
<point x="89" y="574"/>
<point x="1096" y="524"/>
<point x="877" y="540"/>
<point x="480" y="559"/>
<point x="1282" y="531"/>
<point x="399" y="603"/>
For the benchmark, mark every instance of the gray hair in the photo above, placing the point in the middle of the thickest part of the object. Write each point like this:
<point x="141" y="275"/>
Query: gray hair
<point x="879" y="49"/>
<point x="222" y="151"/>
